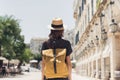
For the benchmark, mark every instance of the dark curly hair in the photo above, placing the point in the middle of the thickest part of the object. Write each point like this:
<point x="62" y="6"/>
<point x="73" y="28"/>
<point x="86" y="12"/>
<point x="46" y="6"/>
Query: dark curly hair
<point x="56" y="34"/>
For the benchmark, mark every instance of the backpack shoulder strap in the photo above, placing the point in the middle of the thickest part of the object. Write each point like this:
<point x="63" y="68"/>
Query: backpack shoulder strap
<point x="54" y="53"/>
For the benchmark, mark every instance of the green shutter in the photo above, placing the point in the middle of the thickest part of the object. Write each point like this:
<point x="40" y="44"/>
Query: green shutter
<point x="98" y="4"/>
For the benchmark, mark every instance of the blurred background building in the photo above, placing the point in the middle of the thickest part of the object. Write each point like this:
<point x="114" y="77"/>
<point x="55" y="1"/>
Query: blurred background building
<point x="69" y="35"/>
<point x="36" y="44"/>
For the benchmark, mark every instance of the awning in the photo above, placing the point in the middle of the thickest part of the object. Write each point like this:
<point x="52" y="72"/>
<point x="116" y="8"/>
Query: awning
<point x="5" y="61"/>
<point x="14" y="61"/>
<point x="33" y="61"/>
<point x="2" y="58"/>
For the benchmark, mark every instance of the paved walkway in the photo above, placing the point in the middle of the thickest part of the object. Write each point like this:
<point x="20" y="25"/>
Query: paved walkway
<point x="26" y="76"/>
<point x="37" y="76"/>
<point x="78" y="77"/>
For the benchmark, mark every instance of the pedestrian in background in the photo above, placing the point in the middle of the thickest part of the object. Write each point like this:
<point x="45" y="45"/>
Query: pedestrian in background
<point x="56" y="63"/>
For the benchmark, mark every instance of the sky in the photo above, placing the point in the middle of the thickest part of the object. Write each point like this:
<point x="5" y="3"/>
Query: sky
<point x="35" y="15"/>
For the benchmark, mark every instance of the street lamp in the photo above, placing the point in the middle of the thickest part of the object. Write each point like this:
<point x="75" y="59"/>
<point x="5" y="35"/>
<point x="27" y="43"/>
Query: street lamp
<point x="96" y="41"/>
<point x="91" y="44"/>
<point x="111" y="2"/>
<point x="113" y="26"/>
<point x="104" y="34"/>
<point x="88" y="46"/>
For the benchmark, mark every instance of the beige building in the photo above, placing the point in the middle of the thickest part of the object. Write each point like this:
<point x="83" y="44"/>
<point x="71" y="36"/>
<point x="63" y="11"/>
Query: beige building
<point x="36" y="44"/>
<point x="97" y="39"/>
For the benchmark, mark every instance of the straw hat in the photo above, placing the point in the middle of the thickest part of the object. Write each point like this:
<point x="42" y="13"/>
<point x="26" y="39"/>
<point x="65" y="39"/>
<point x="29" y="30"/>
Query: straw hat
<point x="57" y="24"/>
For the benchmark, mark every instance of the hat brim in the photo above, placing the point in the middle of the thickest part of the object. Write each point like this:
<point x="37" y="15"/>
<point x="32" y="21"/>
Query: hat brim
<point x="50" y="27"/>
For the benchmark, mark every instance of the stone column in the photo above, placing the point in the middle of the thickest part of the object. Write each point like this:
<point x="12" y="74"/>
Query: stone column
<point x="115" y="55"/>
<point x="92" y="69"/>
<point x="102" y="62"/>
<point x="88" y="69"/>
<point x="85" y="69"/>
<point x="97" y="66"/>
<point x="102" y="68"/>
<point x="88" y="62"/>
<point x="97" y="69"/>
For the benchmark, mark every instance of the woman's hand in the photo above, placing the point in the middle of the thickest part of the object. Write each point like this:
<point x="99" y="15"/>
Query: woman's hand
<point x="70" y="78"/>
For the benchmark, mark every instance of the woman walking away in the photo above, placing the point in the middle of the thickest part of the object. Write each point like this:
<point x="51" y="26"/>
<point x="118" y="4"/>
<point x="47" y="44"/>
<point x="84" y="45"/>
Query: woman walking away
<point x="56" y="63"/>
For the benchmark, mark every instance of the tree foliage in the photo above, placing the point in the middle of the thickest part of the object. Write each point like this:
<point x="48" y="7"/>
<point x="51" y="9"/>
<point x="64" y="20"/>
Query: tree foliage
<point x="12" y="42"/>
<point x="27" y="56"/>
<point x="38" y="57"/>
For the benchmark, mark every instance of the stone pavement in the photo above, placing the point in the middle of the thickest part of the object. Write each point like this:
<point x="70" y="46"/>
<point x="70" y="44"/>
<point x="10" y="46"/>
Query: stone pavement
<point x="25" y="76"/>
<point x="78" y="77"/>
<point x="37" y="76"/>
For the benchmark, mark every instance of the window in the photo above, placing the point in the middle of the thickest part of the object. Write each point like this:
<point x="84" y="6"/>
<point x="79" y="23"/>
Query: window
<point x="85" y="20"/>
<point x="92" y="6"/>
<point x="84" y="1"/>
<point x="82" y="4"/>
<point x="88" y="14"/>
<point x="77" y="37"/>
<point x="80" y="11"/>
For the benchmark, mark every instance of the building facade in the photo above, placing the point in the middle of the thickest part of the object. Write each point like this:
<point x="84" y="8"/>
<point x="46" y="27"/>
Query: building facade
<point x="36" y="44"/>
<point x="97" y="38"/>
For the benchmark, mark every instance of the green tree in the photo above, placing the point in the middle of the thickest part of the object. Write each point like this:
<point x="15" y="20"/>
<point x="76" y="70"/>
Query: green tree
<point x="27" y="56"/>
<point x="1" y="33"/>
<point x="11" y="42"/>
<point x="19" y="49"/>
<point x="38" y="57"/>
<point x="10" y="31"/>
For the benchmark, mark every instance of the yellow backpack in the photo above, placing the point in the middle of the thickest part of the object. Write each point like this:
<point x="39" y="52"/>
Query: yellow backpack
<point x="55" y="65"/>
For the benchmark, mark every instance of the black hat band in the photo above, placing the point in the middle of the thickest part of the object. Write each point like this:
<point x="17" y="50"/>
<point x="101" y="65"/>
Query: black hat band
<point x="57" y="26"/>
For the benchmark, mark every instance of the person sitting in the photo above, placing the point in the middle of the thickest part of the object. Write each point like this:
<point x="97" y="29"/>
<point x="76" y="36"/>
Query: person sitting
<point x="3" y="70"/>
